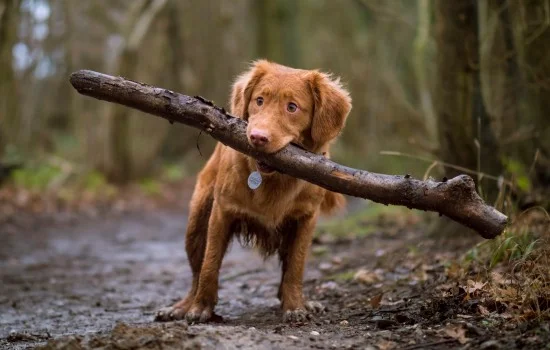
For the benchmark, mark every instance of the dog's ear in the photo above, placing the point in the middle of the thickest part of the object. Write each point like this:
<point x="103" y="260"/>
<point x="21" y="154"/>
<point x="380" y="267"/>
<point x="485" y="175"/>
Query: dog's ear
<point x="243" y="87"/>
<point x="332" y="105"/>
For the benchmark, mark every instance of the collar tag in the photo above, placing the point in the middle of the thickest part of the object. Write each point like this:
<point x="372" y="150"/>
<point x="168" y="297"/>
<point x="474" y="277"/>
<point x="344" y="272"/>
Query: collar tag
<point x="254" y="180"/>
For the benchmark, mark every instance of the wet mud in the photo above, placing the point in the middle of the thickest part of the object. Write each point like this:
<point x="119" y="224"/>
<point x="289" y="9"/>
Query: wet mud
<point x="96" y="283"/>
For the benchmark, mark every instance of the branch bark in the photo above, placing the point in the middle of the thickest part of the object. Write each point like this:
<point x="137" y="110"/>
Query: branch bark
<point x="455" y="198"/>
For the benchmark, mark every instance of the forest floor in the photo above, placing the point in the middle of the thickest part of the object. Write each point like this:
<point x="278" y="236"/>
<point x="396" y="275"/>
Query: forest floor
<point x="75" y="281"/>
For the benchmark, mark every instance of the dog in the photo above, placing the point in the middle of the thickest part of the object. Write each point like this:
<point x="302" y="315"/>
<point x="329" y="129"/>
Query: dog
<point x="282" y="105"/>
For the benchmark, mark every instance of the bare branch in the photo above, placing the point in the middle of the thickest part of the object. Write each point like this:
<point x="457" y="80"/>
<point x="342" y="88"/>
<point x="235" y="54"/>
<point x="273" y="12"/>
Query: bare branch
<point x="455" y="198"/>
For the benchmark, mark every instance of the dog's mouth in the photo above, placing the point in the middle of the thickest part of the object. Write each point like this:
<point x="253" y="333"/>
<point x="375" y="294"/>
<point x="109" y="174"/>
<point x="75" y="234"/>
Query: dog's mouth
<point x="264" y="168"/>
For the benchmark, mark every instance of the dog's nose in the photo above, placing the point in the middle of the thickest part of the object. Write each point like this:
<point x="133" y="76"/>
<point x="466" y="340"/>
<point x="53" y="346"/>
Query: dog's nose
<point x="259" y="137"/>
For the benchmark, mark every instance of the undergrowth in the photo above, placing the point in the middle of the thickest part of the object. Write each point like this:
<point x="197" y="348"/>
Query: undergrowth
<point x="516" y="265"/>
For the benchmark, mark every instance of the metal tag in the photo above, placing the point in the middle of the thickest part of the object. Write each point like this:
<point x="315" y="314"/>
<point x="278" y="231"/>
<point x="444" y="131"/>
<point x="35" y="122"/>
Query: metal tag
<point x="254" y="180"/>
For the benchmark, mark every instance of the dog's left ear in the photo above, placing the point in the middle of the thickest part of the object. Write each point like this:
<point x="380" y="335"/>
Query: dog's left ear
<point x="332" y="105"/>
<point x="243" y="87"/>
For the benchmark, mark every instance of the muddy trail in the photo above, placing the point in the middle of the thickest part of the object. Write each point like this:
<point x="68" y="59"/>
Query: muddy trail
<point x="79" y="282"/>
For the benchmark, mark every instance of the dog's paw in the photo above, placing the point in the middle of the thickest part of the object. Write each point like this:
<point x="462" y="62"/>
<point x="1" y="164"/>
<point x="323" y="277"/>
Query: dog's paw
<point x="315" y="307"/>
<point x="303" y="314"/>
<point x="201" y="314"/>
<point x="296" y="316"/>
<point x="170" y="313"/>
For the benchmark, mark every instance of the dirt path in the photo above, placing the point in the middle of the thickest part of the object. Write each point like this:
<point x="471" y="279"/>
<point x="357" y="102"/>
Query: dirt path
<point x="96" y="283"/>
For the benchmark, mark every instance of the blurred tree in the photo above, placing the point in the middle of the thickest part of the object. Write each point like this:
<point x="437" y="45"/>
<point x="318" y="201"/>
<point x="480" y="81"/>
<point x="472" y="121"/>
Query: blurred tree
<point x="482" y="75"/>
<point x="533" y="40"/>
<point x="514" y="67"/>
<point x="278" y="37"/>
<point x="119" y="167"/>
<point x="9" y="101"/>
<point x="466" y="138"/>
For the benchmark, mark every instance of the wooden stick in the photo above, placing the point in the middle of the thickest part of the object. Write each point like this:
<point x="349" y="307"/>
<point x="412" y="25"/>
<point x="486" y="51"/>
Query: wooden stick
<point x="455" y="198"/>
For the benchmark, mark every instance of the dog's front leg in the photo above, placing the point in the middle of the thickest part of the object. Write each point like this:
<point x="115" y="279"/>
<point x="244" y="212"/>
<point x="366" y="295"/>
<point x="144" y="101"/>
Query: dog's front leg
<point x="218" y="237"/>
<point x="295" y="309"/>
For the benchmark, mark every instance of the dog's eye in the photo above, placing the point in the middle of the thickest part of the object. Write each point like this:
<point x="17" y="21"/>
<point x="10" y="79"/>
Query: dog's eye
<point x="260" y="101"/>
<point x="292" y="107"/>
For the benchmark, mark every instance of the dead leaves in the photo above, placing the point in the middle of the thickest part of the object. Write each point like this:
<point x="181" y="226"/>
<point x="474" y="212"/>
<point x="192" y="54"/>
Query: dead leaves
<point x="368" y="277"/>
<point x="474" y="288"/>
<point x="375" y="301"/>
<point x="457" y="332"/>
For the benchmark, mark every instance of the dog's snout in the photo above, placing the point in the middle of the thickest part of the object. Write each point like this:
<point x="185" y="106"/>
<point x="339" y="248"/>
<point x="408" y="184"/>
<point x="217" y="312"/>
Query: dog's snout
<point x="259" y="137"/>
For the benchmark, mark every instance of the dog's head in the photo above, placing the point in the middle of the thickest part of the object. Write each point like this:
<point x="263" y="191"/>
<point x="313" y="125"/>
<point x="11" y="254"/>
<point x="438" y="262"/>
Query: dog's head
<point x="284" y="105"/>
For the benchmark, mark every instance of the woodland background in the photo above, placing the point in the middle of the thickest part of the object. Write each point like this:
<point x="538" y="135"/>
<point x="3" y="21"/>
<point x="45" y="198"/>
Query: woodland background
<point x="440" y="88"/>
<point x="461" y="82"/>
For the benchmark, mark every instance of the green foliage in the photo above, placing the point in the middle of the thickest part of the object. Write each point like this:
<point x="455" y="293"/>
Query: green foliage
<point x="342" y="276"/>
<point x="519" y="173"/>
<point x="35" y="178"/>
<point x="150" y="186"/>
<point x="173" y="172"/>
<point x="95" y="181"/>
<point x="515" y="244"/>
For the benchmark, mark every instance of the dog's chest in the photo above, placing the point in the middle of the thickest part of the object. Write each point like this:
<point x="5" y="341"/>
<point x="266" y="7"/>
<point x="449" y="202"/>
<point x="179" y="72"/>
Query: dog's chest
<point x="270" y="204"/>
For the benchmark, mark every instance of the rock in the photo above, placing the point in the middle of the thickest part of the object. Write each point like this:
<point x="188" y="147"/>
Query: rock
<point x="330" y="285"/>
<point x="344" y="323"/>
<point x="325" y="266"/>
<point x="314" y="333"/>
<point x="490" y="345"/>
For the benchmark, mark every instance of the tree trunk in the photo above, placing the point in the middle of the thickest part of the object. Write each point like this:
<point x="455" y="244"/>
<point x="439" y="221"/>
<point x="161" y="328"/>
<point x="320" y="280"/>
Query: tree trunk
<point x="9" y="111"/>
<point x="534" y="54"/>
<point x="464" y="129"/>
<point x="278" y="31"/>
<point x="119" y="167"/>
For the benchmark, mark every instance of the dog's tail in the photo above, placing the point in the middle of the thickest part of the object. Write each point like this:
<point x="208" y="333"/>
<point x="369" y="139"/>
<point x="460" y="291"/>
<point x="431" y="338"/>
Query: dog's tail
<point x="332" y="203"/>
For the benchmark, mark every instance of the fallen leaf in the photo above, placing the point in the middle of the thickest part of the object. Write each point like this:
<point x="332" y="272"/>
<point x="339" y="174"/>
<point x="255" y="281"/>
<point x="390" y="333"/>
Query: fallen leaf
<point x="366" y="276"/>
<point x="498" y="278"/>
<point x="472" y="287"/>
<point x="375" y="301"/>
<point x="483" y="310"/>
<point x="456" y="332"/>
<point x="386" y="345"/>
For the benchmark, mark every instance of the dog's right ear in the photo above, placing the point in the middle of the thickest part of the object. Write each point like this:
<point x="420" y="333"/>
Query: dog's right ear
<point x="243" y="87"/>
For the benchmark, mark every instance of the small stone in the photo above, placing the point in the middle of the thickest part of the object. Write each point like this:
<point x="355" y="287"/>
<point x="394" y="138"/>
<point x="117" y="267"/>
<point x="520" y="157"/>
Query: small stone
<point x="325" y="266"/>
<point x="314" y="333"/>
<point x="490" y="345"/>
<point x="344" y="323"/>
<point x="252" y="328"/>
<point x="330" y="285"/>
<point x="293" y="337"/>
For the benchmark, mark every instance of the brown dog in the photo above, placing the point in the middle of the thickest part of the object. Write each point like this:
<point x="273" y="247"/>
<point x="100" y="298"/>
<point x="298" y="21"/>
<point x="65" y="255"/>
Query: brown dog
<point x="282" y="105"/>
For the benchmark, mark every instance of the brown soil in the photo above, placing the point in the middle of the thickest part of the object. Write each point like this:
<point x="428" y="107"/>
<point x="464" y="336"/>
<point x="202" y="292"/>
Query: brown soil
<point x="95" y="283"/>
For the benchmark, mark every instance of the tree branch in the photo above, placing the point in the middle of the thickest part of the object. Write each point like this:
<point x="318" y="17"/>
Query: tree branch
<point x="455" y="198"/>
